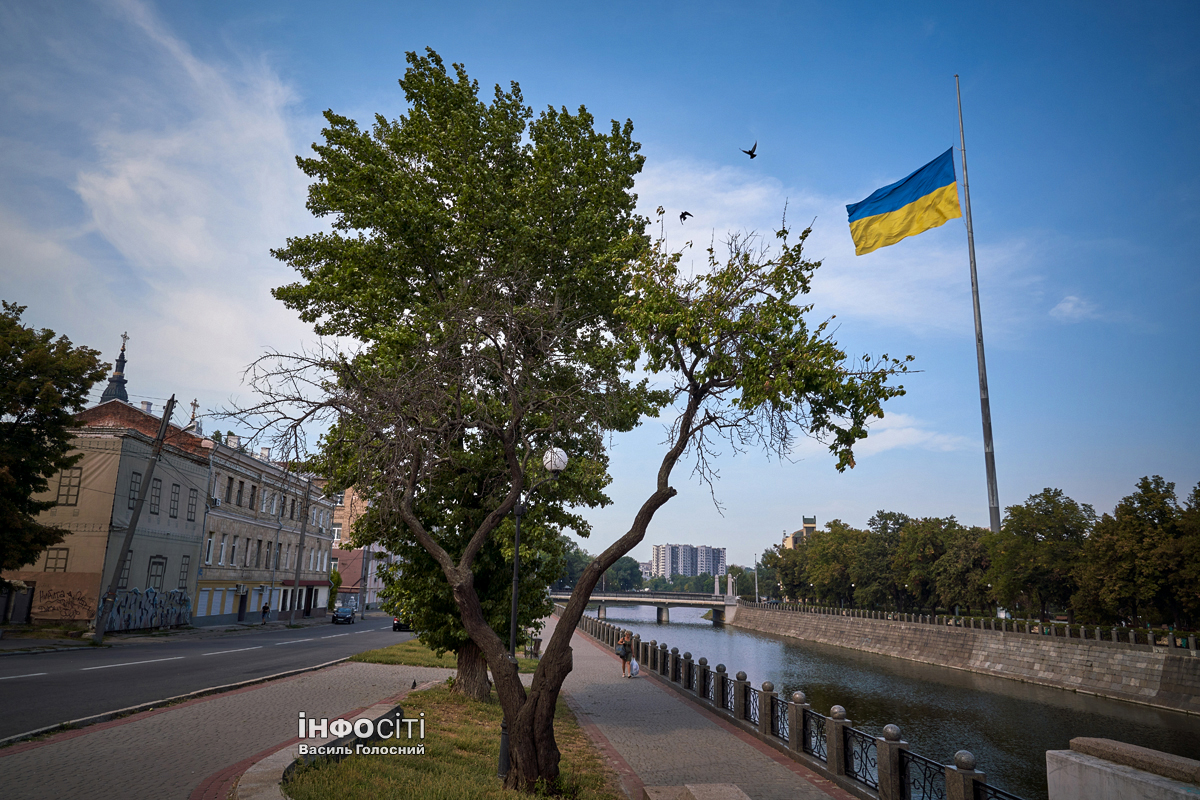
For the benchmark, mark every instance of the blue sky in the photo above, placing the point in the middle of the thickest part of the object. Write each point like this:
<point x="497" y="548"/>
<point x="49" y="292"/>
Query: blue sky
<point x="146" y="168"/>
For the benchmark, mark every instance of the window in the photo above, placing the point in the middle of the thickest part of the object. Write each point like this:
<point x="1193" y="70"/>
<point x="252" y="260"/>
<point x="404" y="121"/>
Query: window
<point x="278" y="553"/>
<point x="156" y="572"/>
<point x="155" y="495"/>
<point x="253" y="497"/>
<point x="311" y="554"/>
<point x="193" y="498"/>
<point x="174" y="501"/>
<point x="272" y="504"/>
<point x="333" y="565"/>
<point x="258" y="555"/>
<point x="287" y="555"/>
<point x="124" y="582"/>
<point x="183" y="572"/>
<point x="135" y="488"/>
<point x="233" y="553"/>
<point x="341" y="498"/>
<point x="337" y="531"/>
<point x="229" y="490"/>
<point x="68" y="486"/>
<point x="292" y="513"/>
<point x="208" y="550"/>
<point x="56" y="559"/>
<point x="241" y="490"/>
<point x="264" y="502"/>
<point x="221" y="557"/>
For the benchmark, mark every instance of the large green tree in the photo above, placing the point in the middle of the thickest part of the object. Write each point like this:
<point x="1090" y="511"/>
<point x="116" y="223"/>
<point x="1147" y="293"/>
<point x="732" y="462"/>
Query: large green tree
<point x="1035" y="555"/>
<point x="44" y="381"/>
<point x="499" y="284"/>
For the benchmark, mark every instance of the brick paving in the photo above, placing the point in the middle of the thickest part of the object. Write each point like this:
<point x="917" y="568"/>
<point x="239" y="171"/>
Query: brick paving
<point x="655" y="738"/>
<point x="178" y="751"/>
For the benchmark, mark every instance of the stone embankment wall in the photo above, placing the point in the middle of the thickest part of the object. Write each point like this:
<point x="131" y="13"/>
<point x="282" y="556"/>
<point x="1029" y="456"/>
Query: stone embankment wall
<point x="1138" y="673"/>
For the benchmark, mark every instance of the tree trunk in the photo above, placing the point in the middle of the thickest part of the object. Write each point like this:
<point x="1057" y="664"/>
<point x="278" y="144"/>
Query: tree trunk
<point x="472" y="678"/>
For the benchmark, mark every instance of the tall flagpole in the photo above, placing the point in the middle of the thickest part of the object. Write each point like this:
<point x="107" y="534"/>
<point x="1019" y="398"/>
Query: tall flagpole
<point x="989" y="457"/>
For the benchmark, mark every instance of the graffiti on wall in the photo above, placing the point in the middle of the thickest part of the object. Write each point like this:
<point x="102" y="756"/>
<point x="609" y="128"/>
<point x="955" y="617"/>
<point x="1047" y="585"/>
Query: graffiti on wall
<point x="136" y="609"/>
<point x="64" y="604"/>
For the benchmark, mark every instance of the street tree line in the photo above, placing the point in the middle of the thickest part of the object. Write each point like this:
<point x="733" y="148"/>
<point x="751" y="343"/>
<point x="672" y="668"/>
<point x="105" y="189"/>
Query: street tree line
<point x="1139" y="564"/>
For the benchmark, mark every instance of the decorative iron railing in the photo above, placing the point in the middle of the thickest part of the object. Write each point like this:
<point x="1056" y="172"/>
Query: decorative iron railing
<point x="676" y="669"/>
<point x="921" y="778"/>
<point x="710" y="691"/>
<point x="750" y="713"/>
<point x="861" y="757"/>
<point x="812" y="738"/>
<point x="727" y="700"/>
<point x="985" y="792"/>
<point x="779" y="718"/>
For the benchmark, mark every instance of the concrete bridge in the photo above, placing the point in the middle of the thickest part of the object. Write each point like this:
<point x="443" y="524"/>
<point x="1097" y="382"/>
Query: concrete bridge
<point x="662" y="601"/>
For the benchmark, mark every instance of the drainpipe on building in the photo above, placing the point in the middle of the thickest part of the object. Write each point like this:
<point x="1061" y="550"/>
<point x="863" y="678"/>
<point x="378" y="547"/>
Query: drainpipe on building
<point x="300" y="551"/>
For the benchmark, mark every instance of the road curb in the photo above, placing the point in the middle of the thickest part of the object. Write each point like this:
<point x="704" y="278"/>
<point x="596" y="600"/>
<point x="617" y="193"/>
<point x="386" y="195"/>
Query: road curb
<point x="84" y="722"/>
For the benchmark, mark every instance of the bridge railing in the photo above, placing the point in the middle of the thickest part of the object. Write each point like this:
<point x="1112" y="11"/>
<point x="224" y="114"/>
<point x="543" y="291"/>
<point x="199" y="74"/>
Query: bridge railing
<point x="878" y="767"/>
<point x="694" y="596"/>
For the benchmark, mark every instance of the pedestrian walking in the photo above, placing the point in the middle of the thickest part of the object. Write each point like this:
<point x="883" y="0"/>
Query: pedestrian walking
<point x="266" y="612"/>
<point x="625" y="651"/>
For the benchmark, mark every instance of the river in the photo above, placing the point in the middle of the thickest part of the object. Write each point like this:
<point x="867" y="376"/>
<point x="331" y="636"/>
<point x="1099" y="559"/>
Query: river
<point x="1007" y="725"/>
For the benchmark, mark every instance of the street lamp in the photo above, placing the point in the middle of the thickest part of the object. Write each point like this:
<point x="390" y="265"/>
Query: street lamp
<point x="555" y="461"/>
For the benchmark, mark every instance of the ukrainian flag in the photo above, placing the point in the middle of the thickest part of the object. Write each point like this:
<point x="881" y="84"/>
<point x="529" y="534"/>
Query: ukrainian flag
<point x="923" y="200"/>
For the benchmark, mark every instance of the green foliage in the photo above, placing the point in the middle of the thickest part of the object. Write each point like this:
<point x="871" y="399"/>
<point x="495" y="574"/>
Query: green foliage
<point x="624" y="576"/>
<point x="335" y="583"/>
<point x="1134" y="565"/>
<point x="44" y="381"/>
<point x="575" y="559"/>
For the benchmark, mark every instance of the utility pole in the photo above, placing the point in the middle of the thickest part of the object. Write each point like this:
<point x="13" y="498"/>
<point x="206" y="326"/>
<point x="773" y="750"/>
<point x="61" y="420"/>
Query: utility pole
<point x="300" y="552"/>
<point x="111" y="595"/>
<point x="362" y="581"/>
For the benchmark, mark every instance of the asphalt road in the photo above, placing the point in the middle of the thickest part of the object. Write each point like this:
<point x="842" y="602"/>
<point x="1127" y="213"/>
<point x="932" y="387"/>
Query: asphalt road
<point x="37" y="690"/>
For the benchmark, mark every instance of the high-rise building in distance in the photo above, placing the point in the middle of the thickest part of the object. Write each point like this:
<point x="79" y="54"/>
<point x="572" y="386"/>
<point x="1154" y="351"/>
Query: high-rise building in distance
<point x="688" y="560"/>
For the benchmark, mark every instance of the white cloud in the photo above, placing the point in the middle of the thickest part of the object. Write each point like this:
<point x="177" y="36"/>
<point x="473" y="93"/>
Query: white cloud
<point x="186" y="175"/>
<point x="1074" y="309"/>
<point x="894" y="432"/>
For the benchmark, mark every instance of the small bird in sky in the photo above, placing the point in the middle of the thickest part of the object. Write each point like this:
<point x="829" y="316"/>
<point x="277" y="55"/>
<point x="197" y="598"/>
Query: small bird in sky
<point x="750" y="152"/>
<point x="684" y="216"/>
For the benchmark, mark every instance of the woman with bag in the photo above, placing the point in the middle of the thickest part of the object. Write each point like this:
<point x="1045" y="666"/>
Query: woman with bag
<point x="625" y="651"/>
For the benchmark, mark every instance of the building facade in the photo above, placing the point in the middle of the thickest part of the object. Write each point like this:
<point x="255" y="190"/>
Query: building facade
<point x="268" y="540"/>
<point x="95" y="499"/>
<point x="808" y="526"/>
<point x="688" y="560"/>
<point x="358" y="566"/>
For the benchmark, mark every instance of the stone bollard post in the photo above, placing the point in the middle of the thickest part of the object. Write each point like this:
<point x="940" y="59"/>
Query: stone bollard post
<point x="703" y="677"/>
<point x="796" y="709"/>
<point x="719" y="679"/>
<point x="673" y="665"/>
<point x="739" y="696"/>
<point x="835" y="740"/>
<point x="1192" y="644"/>
<point x="662" y="659"/>
<point x="961" y="777"/>
<point x="635" y="647"/>
<point x="766" y="709"/>
<point x="887" y="757"/>
<point x="686" y="673"/>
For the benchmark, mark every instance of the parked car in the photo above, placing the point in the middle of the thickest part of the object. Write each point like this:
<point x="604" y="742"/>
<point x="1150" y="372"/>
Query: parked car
<point x="344" y="614"/>
<point x="399" y="624"/>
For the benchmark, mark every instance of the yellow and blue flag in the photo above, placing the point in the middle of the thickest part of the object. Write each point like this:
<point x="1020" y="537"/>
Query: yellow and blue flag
<point x="923" y="200"/>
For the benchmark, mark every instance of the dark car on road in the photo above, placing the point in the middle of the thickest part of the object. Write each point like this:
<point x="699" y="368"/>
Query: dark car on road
<point x="344" y="614"/>
<point x="399" y="624"/>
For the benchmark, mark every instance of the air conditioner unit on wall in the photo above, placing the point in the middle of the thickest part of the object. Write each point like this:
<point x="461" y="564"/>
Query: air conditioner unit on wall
<point x="241" y="589"/>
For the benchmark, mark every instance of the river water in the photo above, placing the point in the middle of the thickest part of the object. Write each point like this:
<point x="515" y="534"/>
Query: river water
<point x="1007" y="725"/>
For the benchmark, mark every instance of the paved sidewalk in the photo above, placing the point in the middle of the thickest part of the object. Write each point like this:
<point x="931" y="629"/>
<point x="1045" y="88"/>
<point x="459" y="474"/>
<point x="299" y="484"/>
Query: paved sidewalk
<point x="188" y="750"/>
<point x="656" y="738"/>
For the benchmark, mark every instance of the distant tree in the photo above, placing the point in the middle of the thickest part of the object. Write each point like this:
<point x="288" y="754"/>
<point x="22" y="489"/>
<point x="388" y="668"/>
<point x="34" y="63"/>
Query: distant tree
<point x="1036" y="555"/>
<point x="960" y="575"/>
<point x="831" y="554"/>
<point x="44" y="381"/>
<point x="1131" y="560"/>
<point x="335" y="583"/>
<point x="790" y="565"/>
<point x="922" y="542"/>
<point x="575" y="560"/>
<point x="1185" y="582"/>
<point x="871" y="570"/>
<point x="624" y="576"/>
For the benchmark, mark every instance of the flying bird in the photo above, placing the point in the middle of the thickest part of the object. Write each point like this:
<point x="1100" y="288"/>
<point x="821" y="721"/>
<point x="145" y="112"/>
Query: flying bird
<point x="684" y="216"/>
<point x="750" y="152"/>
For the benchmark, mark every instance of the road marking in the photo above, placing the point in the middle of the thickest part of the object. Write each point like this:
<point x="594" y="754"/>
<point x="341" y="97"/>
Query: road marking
<point x="30" y="675"/>
<point x="293" y="641"/>
<point x="132" y="663"/>
<point x="334" y="636"/>
<point x="242" y="650"/>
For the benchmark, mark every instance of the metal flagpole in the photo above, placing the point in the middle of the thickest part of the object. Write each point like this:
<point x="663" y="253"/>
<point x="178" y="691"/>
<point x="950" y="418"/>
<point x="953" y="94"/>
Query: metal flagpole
<point x="989" y="456"/>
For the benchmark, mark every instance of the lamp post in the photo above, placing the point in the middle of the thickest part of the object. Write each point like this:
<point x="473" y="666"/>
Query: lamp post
<point x="555" y="461"/>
